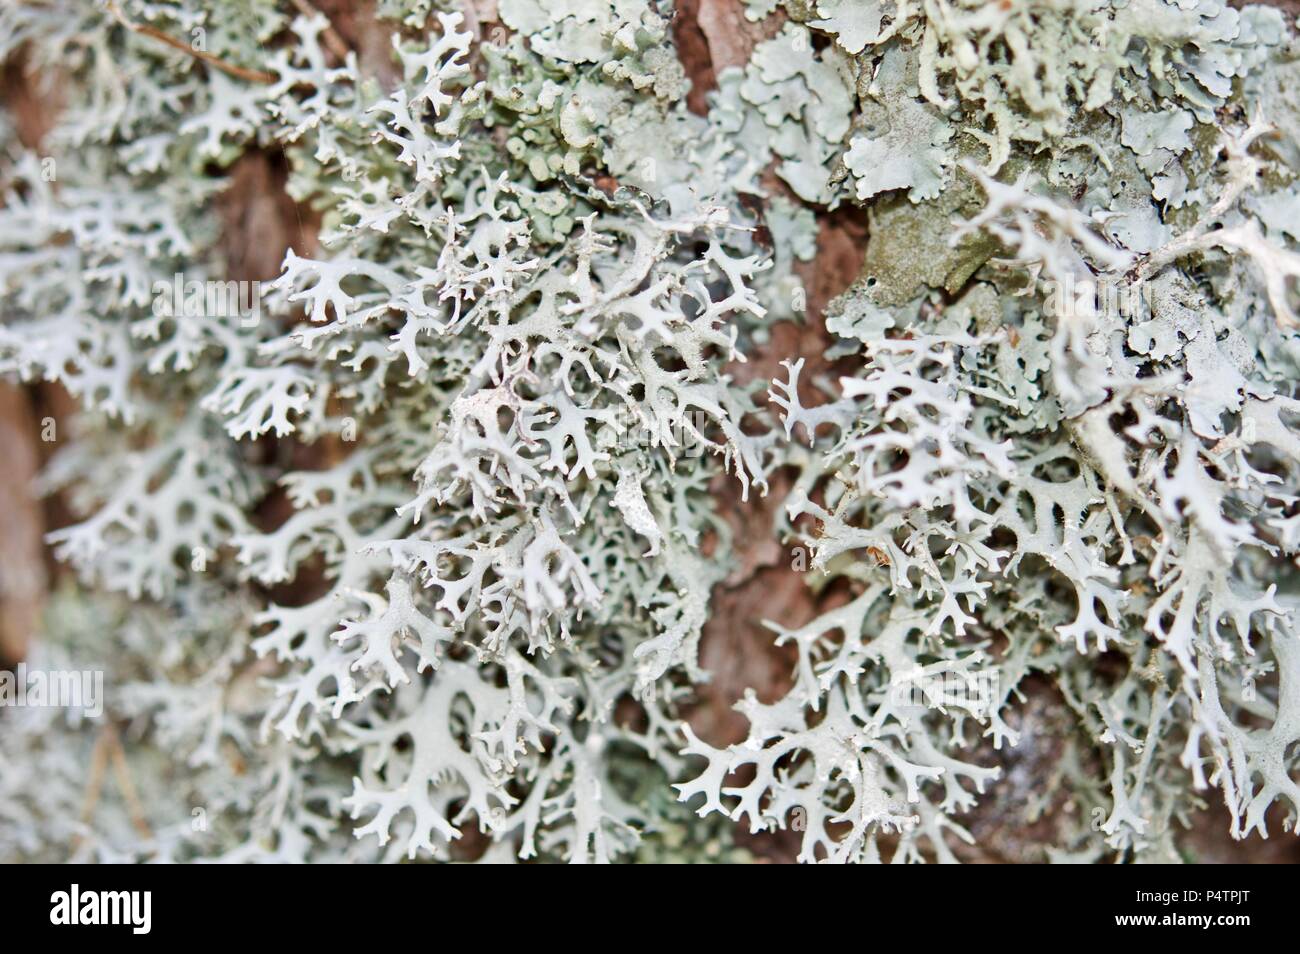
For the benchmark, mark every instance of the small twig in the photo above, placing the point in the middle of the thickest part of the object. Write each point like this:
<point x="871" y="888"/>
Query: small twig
<point x="94" y="785"/>
<point x="127" y="784"/>
<point x="1278" y="266"/>
<point x="1243" y="169"/>
<point x="239" y="72"/>
<point x="108" y="745"/>
<point x="332" y="39"/>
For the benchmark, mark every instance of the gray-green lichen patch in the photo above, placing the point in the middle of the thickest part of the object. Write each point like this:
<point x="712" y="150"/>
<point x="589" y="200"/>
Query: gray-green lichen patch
<point x="421" y="539"/>
<point x="910" y="247"/>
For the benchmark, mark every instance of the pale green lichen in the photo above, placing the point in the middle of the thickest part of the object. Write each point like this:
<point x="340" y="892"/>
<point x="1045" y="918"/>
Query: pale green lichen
<point x="537" y="273"/>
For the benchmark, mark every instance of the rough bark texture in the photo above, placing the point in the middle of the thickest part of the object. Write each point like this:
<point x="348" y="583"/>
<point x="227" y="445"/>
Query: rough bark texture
<point x="22" y="569"/>
<point x="24" y="579"/>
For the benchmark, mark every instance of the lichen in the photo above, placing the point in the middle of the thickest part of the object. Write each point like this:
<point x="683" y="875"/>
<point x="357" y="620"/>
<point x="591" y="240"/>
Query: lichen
<point x="424" y="546"/>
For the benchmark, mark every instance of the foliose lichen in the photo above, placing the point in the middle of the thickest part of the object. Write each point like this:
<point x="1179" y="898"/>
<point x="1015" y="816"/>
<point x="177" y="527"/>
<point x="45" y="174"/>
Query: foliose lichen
<point x="1051" y="445"/>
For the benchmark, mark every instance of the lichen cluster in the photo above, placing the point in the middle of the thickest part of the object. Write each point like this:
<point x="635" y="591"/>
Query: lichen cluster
<point x="1051" y="439"/>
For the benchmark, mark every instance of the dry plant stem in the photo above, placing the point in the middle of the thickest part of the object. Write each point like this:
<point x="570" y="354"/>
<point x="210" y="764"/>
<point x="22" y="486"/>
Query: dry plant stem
<point x="126" y="784"/>
<point x="1278" y="266"/>
<point x="109" y="746"/>
<point x="239" y="72"/>
<point x="1242" y="170"/>
<point x="94" y="785"/>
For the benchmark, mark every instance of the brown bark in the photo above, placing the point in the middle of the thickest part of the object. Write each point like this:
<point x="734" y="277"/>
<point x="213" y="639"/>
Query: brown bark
<point x="22" y="526"/>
